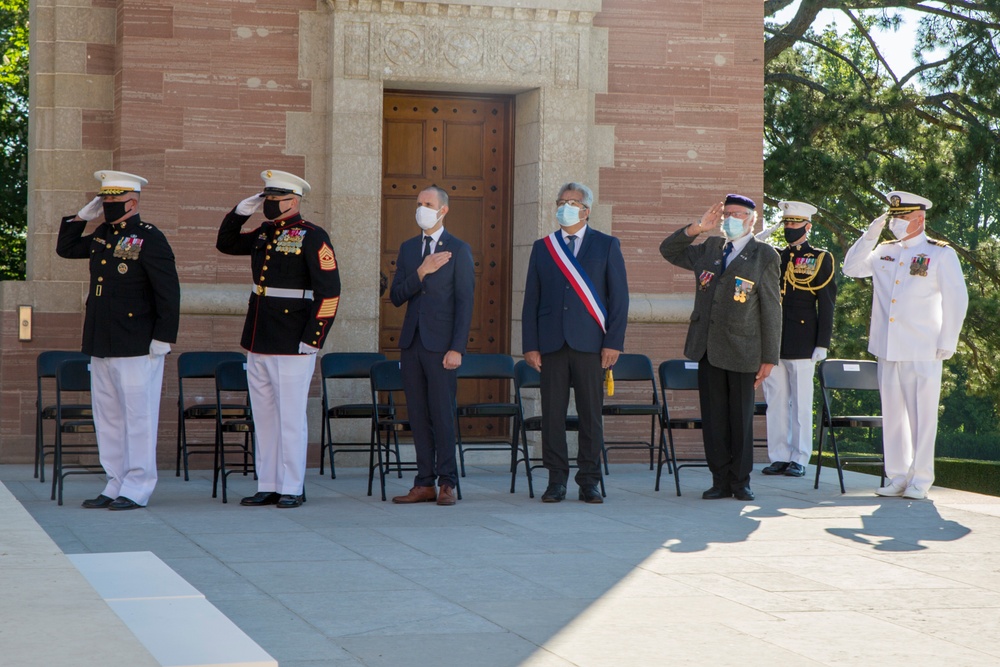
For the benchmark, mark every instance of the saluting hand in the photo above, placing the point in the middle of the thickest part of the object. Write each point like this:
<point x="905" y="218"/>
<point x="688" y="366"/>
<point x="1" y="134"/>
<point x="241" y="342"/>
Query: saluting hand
<point x="94" y="208"/>
<point x="709" y="221"/>
<point x="250" y="205"/>
<point x="432" y="263"/>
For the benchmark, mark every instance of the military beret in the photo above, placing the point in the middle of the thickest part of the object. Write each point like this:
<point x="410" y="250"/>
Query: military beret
<point x="740" y="200"/>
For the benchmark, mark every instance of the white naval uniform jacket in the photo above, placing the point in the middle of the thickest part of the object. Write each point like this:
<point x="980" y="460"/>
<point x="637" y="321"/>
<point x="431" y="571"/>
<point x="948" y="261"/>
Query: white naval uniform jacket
<point x="919" y="295"/>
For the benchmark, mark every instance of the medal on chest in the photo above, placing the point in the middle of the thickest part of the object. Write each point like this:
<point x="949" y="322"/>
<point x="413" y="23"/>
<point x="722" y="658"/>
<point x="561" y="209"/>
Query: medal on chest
<point x="919" y="264"/>
<point x="705" y="279"/>
<point x="128" y="248"/>
<point x="743" y="289"/>
<point x="805" y="265"/>
<point x="289" y="241"/>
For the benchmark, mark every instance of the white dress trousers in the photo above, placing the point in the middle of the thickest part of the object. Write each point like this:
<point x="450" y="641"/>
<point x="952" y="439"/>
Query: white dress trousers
<point x="125" y="392"/>
<point x="788" y="391"/>
<point x="279" y="392"/>
<point x="911" y="391"/>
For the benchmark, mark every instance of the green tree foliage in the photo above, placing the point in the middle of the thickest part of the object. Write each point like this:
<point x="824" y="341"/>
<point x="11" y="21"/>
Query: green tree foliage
<point x="841" y="128"/>
<point x="13" y="137"/>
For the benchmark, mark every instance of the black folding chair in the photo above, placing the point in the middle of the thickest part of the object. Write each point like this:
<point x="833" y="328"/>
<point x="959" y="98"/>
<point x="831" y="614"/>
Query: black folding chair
<point x="73" y="377"/>
<point x="526" y="377"/>
<point x="230" y="417"/>
<point x="387" y="381"/>
<point x="632" y="369"/>
<point x="841" y="380"/>
<point x="45" y="369"/>
<point x="347" y="366"/>
<point x="676" y="375"/>
<point x="195" y="366"/>
<point x="497" y="370"/>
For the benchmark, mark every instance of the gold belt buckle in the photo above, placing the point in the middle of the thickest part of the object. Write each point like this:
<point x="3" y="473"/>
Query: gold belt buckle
<point x="260" y="290"/>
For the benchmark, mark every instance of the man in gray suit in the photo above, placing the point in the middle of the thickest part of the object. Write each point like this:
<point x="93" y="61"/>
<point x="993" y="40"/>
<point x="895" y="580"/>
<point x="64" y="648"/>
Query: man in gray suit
<point x="735" y="333"/>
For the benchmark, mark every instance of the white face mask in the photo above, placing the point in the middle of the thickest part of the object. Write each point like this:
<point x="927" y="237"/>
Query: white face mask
<point x="567" y="215"/>
<point x="898" y="227"/>
<point x="426" y="217"/>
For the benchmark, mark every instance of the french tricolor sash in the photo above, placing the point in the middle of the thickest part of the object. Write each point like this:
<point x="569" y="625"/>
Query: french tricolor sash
<point x="577" y="278"/>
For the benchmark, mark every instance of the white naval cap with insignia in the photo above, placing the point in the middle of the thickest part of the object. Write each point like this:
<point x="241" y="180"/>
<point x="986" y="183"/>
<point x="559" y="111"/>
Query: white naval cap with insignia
<point x="906" y="202"/>
<point x="797" y="210"/>
<point x="283" y="183"/>
<point x="118" y="182"/>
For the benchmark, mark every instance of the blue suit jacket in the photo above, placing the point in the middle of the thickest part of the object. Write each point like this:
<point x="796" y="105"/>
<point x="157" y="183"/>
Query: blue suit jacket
<point x="554" y="315"/>
<point x="440" y="306"/>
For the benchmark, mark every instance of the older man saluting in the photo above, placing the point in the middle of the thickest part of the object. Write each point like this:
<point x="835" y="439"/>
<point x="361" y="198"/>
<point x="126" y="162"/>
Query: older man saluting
<point x="918" y="307"/>
<point x="735" y="333"/>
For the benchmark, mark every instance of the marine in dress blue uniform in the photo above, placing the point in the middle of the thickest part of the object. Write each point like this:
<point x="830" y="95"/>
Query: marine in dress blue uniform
<point x="292" y="304"/>
<point x="132" y="316"/>
<point x="435" y="280"/>
<point x="808" y="296"/>
<point x="919" y="301"/>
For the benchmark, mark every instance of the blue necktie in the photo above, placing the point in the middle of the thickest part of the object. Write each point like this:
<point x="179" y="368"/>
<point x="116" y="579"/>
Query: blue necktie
<point x="427" y="246"/>
<point x="571" y="241"/>
<point x="725" y="255"/>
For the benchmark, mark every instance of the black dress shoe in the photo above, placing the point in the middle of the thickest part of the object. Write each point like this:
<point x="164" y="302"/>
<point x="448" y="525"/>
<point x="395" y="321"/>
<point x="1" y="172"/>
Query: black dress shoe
<point x="795" y="470"/>
<point x="123" y="503"/>
<point x="776" y="468"/>
<point x="287" y="501"/>
<point x="591" y="494"/>
<point x="98" y="503"/>
<point x="743" y="494"/>
<point x="554" y="493"/>
<point x="261" y="498"/>
<point x="716" y="492"/>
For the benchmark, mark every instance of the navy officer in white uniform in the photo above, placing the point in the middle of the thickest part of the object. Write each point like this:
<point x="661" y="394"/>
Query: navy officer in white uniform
<point x="292" y="305"/>
<point x="918" y="307"/>
<point x="808" y="294"/>
<point x="132" y="315"/>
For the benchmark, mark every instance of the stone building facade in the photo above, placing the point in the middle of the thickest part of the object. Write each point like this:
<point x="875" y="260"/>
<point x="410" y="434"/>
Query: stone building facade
<point x="657" y="104"/>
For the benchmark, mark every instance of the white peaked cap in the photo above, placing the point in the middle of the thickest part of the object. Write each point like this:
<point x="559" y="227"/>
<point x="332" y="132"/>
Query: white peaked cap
<point x="900" y="199"/>
<point x="281" y="182"/>
<point x="118" y="182"/>
<point x="796" y="209"/>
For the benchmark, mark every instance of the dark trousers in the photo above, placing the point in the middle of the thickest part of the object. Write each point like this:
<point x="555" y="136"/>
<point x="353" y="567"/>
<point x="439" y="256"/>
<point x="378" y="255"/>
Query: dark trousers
<point x="582" y="371"/>
<point x="727" y="406"/>
<point x="430" y="404"/>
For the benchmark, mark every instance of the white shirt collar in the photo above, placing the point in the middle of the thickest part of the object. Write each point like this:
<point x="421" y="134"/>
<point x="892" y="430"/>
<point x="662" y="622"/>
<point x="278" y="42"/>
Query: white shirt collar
<point x="915" y="241"/>
<point x="739" y="244"/>
<point x="579" y="236"/>
<point x="436" y="238"/>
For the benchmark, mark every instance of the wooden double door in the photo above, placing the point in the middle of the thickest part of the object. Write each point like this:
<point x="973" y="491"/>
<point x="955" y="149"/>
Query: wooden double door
<point x="463" y="144"/>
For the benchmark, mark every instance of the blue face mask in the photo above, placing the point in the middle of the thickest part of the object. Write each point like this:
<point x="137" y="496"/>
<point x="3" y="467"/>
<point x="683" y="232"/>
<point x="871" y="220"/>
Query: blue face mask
<point x="567" y="215"/>
<point x="732" y="227"/>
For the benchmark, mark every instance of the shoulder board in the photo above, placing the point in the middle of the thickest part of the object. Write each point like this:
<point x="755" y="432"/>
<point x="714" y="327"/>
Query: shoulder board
<point x="943" y="244"/>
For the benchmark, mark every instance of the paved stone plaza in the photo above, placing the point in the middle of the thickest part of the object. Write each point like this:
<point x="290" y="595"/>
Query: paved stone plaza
<point x="798" y="577"/>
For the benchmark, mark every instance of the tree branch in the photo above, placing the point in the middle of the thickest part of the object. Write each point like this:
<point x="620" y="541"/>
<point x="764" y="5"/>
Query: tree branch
<point x="833" y="52"/>
<point x="871" y="42"/>
<point x="793" y="31"/>
<point x="773" y="77"/>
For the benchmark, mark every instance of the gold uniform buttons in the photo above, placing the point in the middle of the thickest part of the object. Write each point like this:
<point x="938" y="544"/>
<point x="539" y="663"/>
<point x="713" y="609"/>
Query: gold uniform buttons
<point x="894" y="301"/>
<point x="317" y="333"/>
<point x="100" y="279"/>
<point x="892" y="319"/>
<point x="265" y="268"/>
<point x="268" y="246"/>
<point x="104" y="261"/>
<point x="109" y="246"/>
<point x="267" y="257"/>
<point x="897" y="282"/>
<point x="130" y="314"/>
<point x="286" y="311"/>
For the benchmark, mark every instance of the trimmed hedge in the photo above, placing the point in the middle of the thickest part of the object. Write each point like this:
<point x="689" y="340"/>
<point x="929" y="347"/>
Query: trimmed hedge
<point x="962" y="474"/>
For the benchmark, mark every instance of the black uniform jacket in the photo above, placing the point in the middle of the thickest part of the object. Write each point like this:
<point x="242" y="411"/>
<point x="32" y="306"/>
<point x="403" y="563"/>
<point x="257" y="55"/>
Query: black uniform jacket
<point x="134" y="295"/>
<point x="289" y="254"/>
<point x="809" y="292"/>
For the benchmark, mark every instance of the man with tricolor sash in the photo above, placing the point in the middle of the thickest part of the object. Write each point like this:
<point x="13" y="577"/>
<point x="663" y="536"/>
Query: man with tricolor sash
<point x="573" y="328"/>
<point x="293" y="301"/>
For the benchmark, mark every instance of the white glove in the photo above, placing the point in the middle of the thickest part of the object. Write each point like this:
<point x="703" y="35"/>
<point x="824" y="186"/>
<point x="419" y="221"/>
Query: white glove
<point x="307" y="349"/>
<point x="819" y="354"/>
<point x="93" y="209"/>
<point x="158" y="348"/>
<point x="770" y="230"/>
<point x="944" y="354"/>
<point x="250" y="205"/>
<point x="875" y="229"/>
